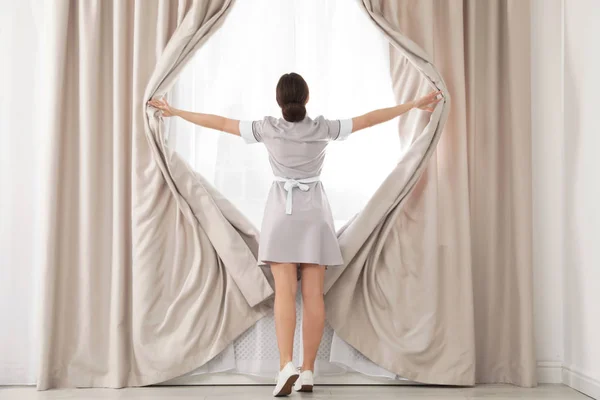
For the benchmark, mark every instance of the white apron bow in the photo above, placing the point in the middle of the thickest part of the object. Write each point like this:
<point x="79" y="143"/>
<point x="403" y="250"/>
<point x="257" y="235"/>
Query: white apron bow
<point x="289" y="186"/>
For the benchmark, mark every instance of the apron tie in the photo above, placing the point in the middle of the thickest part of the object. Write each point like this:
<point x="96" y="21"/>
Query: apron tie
<point x="290" y="184"/>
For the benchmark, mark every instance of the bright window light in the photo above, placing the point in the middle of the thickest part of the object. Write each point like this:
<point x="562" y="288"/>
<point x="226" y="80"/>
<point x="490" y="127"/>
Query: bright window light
<point x="345" y="62"/>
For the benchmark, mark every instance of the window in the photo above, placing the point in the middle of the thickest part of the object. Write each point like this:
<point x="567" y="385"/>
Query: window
<point x="345" y="61"/>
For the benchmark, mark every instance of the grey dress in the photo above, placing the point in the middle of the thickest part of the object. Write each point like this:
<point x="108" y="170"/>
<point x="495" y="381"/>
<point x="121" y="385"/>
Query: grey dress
<point x="297" y="226"/>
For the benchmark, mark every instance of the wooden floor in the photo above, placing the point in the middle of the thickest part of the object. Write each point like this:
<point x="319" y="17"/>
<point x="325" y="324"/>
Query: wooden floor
<point x="483" y="392"/>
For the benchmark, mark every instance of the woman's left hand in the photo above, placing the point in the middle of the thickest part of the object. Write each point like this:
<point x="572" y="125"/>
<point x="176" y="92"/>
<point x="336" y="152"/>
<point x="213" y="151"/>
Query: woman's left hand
<point x="163" y="106"/>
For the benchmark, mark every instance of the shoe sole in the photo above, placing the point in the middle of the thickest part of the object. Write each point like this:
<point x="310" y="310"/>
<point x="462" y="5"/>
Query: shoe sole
<point x="305" y="388"/>
<point x="286" y="390"/>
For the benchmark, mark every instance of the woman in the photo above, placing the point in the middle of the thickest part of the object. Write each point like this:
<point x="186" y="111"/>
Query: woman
<point x="297" y="233"/>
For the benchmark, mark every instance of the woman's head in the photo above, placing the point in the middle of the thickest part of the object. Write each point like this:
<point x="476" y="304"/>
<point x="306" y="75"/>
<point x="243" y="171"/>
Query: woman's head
<point x="292" y="96"/>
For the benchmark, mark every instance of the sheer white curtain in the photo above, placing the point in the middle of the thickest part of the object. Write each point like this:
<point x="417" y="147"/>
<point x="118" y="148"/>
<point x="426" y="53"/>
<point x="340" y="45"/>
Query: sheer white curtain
<point x="334" y="46"/>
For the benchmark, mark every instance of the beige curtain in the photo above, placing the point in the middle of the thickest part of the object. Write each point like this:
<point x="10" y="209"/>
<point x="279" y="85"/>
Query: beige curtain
<point x="498" y="117"/>
<point x="439" y="290"/>
<point x="150" y="272"/>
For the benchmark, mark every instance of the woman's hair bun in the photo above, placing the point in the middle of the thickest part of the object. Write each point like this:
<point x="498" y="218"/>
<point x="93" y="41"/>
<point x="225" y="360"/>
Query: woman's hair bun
<point x="292" y="95"/>
<point x="293" y="112"/>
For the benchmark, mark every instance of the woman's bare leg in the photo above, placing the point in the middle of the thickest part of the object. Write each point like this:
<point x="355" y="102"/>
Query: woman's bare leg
<point x="286" y="286"/>
<point x="313" y="312"/>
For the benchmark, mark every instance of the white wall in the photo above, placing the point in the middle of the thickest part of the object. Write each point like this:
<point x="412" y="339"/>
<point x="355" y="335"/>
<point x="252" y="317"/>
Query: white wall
<point x="582" y="194"/>
<point x="20" y="173"/>
<point x="566" y="190"/>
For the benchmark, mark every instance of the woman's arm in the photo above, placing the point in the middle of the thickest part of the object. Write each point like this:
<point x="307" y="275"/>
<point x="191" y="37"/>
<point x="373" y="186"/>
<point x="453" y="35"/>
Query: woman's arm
<point x="216" y="122"/>
<point x="385" y="114"/>
<point x="210" y="121"/>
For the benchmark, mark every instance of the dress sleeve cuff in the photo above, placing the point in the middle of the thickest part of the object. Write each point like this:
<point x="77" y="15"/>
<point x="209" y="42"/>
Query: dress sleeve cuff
<point x="246" y="132"/>
<point x="345" y="128"/>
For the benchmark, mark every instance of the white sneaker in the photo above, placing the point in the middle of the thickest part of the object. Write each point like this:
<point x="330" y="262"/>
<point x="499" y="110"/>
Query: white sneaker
<point x="285" y="380"/>
<point x="305" y="382"/>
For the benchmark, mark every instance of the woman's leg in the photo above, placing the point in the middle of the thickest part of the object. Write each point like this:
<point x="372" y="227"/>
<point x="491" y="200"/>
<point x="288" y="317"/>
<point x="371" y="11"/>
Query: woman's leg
<point x="286" y="286"/>
<point x="313" y="312"/>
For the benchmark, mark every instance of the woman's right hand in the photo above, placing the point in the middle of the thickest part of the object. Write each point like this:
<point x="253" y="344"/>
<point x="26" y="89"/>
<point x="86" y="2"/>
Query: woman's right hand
<point x="427" y="103"/>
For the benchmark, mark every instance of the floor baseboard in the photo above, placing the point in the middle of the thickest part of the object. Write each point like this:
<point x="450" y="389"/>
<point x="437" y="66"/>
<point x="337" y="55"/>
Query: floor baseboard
<point x="549" y="372"/>
<point x="581" y="382"/>
<point x="556" y="372"/>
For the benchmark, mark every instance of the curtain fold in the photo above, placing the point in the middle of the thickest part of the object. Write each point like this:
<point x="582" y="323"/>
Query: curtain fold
<point x="406" y="288"/>
<point x="498" y="130"/>
<point x="428" y="269"/>
<point x="150" y="272"/>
